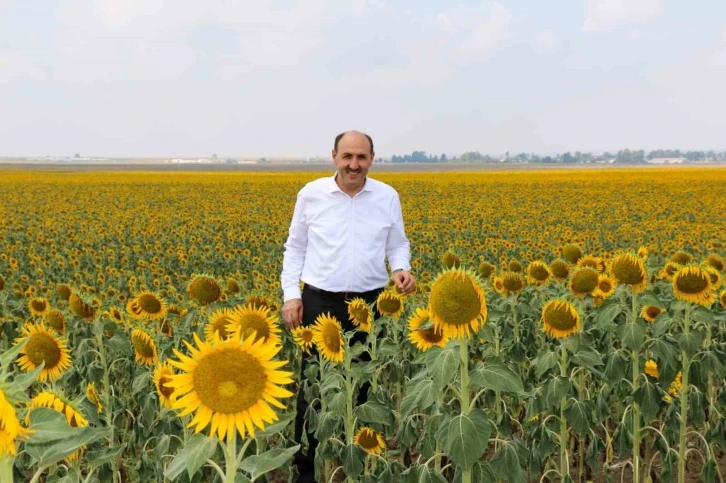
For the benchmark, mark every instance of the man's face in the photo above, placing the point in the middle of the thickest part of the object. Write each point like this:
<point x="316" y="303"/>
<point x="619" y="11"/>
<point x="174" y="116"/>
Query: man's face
<point x="353" y="158"/>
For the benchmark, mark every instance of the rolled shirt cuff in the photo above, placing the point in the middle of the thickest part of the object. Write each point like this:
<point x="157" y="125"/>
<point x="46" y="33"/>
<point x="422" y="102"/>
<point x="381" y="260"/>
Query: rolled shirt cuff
<point x="291" y="293"/>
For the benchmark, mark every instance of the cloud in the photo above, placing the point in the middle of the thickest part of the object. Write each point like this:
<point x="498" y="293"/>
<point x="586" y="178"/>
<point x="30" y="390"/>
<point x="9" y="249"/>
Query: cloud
<point x="487" y="34"/>
<point x="545" y="40"/>
<point x="602" y="15"/>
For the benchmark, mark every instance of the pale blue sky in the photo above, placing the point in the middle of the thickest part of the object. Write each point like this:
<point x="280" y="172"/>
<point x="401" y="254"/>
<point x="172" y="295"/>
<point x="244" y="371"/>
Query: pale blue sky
<point x="282" y="77"/>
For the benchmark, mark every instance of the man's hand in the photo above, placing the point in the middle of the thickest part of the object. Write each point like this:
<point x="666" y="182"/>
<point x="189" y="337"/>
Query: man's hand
<point x="404" y="281"/>
<point x="292" y="312"/>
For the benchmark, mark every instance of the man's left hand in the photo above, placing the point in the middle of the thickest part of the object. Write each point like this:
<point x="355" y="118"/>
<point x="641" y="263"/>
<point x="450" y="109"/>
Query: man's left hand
<point x="404" y="281"/>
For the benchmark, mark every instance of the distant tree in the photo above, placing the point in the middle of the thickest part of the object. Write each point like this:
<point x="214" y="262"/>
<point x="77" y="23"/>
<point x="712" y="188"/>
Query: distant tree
<point x="443" y="158"/>
<point x="568" y="158"/>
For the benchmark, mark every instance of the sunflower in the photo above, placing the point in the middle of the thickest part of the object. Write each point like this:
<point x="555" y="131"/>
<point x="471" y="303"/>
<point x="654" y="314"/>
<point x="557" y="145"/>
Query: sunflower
<point x="643" y="252"/>
<point x="560" y="318"/>
<point x="44" y="346"/>
<point x="38" y="306"/>
<point x="597" y="298"/>
<point x="328" y="338"/>
<point x="162" y="376"/>
<point x="538" y="273"/>
<point x="512" y="283"/>
<point x="389" y="303"/>
<point x="63" y="291"/>
<point x="715" y="277"/>
<point x="498" y="284"/>
<point x="55" y="320"/>
<point x="681" y="258"/>
<point x="257" y="322"/>
<point x="715" y="261"/>
<point x="10" y="428"/>
<point x="360" y="314"/>
<point x="52" y="400"/>
<point x="693" y="284"/>
<point x="232" y="286"/>
<point x="571" y="253"/>
<point x="80" y="308"/>
<point x="650" y="312"/>
<point x="2" y="283"/>
<point x="231" y="383"/>
<point x="484" y="271"/>
<point x="675" y="388"/>
<point x="145" y="347"/>
<point x="628" y="269"/>
<point x="593" y="262"/>
<point x="369" y="440"/>
<point x="115" y="314"/>
<point x="134" y="310"/>
<point x="303" y="336"/>
<point x="605" y="286"/>
<point x="218" y="323"/>
<point x="583" y="281"/>
<point x="204" y="289"/>
<point x="669" y="270"/>
<point x="257" y="301"/>
<point x="92" y="396"/>
<point x="450" y="260"/>
<point x="152" y="305"/>
<point x="560" y="270"/>
<point x="457" y="303"/>
<point x="424" y="339"/>
<point x="651" y="368"/>
<point x="722" y="299"/>
<point x="515" y="266"/>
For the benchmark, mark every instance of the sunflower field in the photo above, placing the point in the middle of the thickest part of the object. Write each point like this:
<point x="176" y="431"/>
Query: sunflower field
<point x="566" y="326"/>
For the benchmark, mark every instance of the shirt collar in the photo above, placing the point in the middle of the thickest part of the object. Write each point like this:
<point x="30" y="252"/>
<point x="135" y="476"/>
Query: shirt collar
<point x="334" y="186"/>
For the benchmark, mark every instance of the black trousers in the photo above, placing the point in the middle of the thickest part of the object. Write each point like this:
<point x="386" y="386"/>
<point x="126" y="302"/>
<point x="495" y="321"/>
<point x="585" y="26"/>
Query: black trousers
<point x="314" y="304"/>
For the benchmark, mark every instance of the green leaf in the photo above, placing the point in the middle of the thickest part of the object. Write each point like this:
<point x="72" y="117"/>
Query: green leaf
<point x="588" y="358"/>
<point x="615" y="367"/>
<point x="278" y="426"/>
<point x="662" y="325"/>
<point x="497" y="377"/>
<point x="421" y="396"/>
<point x="577" y="415"/>
<point x="554" y="390"/>
<point x="632" y="335"/>
<point x="338" y="402"/>
<point x="594" y="449"/>
<point x="374" y="412"/>
<point x="421" y="474"/>
<point x="141" y="382"/>
<point x="505" y="464"/>
<point x="703" y="315"/>
<point x="442" y="364"/>
<point x="257" y="466"/>
<point x="545" y="361"/>
<point x="649" y="298"/>
<point x="648" y="398"/>
<point x="711" y="363"/>
<point x="199" y="449"/>
<point x="665" y="351"/>
<point x="11" y="354"/>
<point x="96" y="459"/>
<point x="689" y="343"/>
<point x="464" y="438"/>
<point x="353" y="456"/>
<point x="54" y="439"/>
<point x="607" y="313"/>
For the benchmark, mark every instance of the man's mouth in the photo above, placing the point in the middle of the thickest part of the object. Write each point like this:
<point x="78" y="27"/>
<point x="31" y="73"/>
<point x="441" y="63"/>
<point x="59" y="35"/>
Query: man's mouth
<point x="351" y="171"/>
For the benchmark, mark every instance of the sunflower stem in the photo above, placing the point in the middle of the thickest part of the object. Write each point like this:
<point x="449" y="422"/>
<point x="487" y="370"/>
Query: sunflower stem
<point x="230" y="456"/>
<point x="581" y="452"/>
<point x="564" y="467"/>
<point x="684" y="402"/>
<point x="636" y="406"/>
<point x="437" y="458"/>
<point x="6" y="468"/>
<point x="349" y="422"/>
<point x="98" y="331"/>
<point x="497" y="394"/>
<point x="465" y="408"/>
<point x="374" y="357"/>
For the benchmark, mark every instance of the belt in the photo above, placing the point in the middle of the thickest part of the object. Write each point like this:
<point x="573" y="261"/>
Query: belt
<point x="342" y="295"/>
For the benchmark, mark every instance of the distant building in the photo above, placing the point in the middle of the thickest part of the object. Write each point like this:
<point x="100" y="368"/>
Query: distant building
<point x="665" y="161"/>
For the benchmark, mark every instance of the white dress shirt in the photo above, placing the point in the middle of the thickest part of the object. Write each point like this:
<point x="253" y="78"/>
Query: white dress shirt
<point x="339" y="243"/>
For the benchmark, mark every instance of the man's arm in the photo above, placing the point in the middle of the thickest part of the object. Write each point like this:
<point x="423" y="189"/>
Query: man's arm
<point x="398" y="248"/>
<point x="295" y="248"/>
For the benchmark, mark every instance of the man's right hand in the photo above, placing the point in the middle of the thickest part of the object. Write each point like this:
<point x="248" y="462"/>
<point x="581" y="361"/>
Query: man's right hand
<point x="292" y="312"/>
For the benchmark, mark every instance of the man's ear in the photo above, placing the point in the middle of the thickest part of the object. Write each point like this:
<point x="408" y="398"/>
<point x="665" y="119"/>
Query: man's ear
<point x="333" y="154"/>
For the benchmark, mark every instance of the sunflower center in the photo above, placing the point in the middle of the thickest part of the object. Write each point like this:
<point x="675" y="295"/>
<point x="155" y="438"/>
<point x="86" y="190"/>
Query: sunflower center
<point x="149" y="303"/>
<point x="253" y="323"/>
<point x="38" y="305"/>
<point x="512" y="283"/>
<point x="43" y="348"/>
<point x="432" y="336"/>
<point x="653" y="312"/>
<point x="628" y="271"/>
<point x="165" y="390"/>
<point x="584" y="281"/>
<point x="559" y="317"/>
<point x="455" y="300"/>
<point x="142" y="347"/>
<point x="560" y="270"/>
<point x="360" y="314"/>
<point x="605" y="286"/>
<point x="220" y="326"/>
<point x="331" y="337"/>
<point x="693" y="283"/>
<point x="367" y="439"/>
<point x="306" y="335"/>
<point x="204" y="289"/>
<point x="229" y="381"/>
<point x="539" y="273"/>
<point x="390" y="305"/>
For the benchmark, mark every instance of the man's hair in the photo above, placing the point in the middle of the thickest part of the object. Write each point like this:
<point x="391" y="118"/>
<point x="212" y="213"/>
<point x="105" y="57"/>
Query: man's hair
<point x="340" y="136"/>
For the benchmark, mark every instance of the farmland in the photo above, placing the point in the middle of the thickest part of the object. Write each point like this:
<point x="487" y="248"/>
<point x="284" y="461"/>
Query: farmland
<point x="593" y="348"/>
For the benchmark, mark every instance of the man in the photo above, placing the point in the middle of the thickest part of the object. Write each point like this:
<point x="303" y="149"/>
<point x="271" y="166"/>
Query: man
<point x="342" y="230"/>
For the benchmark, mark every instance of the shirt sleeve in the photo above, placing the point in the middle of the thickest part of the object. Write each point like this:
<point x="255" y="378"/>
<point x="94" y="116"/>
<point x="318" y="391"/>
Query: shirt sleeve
<point x="398" y="249"/>
<point x="296" y="246"/>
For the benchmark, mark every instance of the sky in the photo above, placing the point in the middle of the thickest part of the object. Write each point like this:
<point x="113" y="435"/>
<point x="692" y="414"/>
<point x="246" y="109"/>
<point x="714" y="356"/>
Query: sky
<point x="149" y="78"/>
